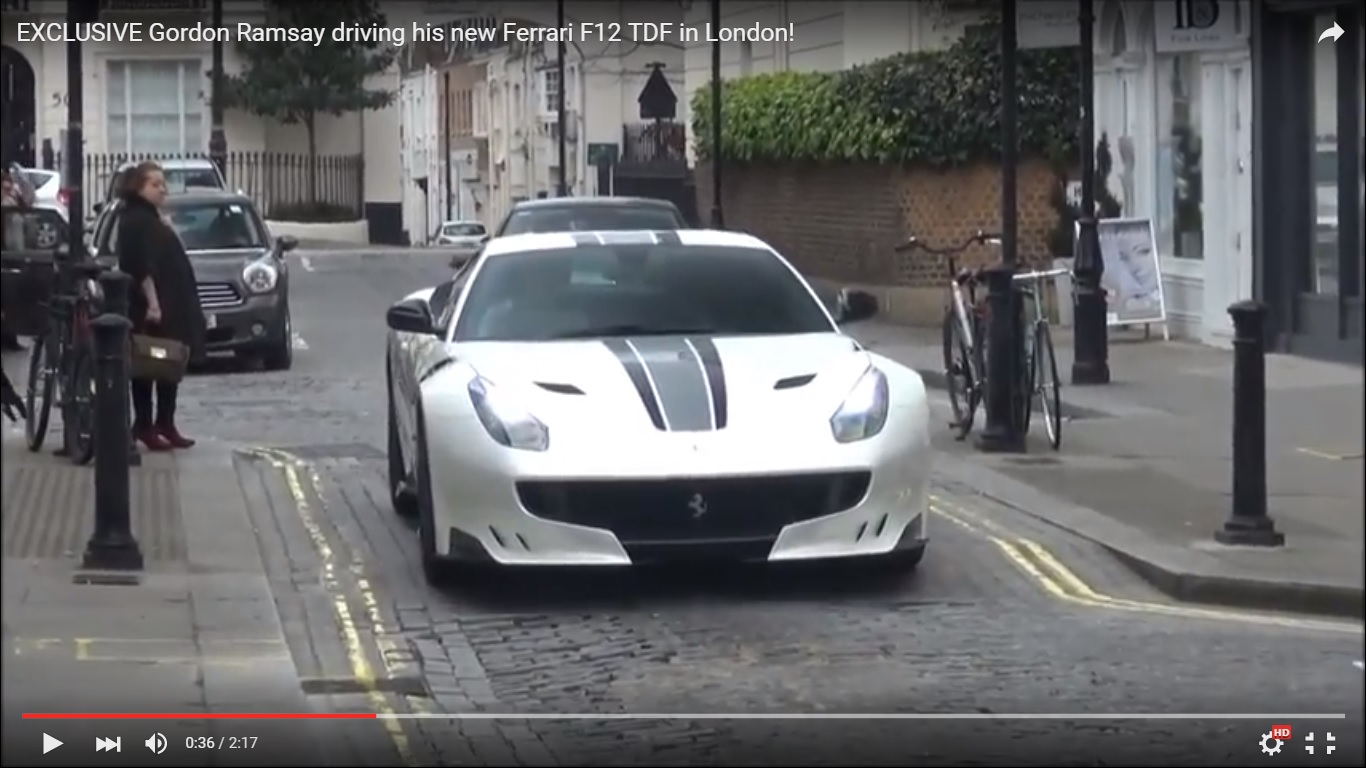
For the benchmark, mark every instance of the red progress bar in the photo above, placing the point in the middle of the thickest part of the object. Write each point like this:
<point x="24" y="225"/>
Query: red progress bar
<point x="199" y="716"/>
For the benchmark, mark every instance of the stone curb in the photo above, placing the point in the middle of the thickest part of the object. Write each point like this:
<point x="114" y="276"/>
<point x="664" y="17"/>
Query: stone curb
<point x="1183" y="574"/>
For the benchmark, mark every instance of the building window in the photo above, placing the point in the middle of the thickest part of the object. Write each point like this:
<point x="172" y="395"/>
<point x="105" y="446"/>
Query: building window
<point x="1180" y="182"/>
<point x="480" y="116"/>
<point x="550" y="91"/>
<point x="1322" y="267"/>
<point x="154" y="106"/>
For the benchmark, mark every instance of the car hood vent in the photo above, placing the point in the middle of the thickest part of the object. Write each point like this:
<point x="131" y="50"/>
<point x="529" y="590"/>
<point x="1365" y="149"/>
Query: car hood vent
<point x="792" y="382"/>
<point x="559" y="389"/>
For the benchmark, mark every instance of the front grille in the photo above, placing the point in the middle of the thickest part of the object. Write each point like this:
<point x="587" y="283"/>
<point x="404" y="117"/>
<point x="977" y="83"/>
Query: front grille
<point x="219" y="295"/>
<point x="737" y="509"/>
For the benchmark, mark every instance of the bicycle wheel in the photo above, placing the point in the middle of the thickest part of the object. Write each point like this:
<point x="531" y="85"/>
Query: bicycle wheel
<point x="960" y="376"/>
<point x="1047" y="385"/>
<point x="42" y="382"/>
<point x="78" y="406"/>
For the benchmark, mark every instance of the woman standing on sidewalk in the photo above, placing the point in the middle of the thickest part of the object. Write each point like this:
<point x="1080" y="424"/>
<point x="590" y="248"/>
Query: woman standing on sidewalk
<point x="164" y="300"/>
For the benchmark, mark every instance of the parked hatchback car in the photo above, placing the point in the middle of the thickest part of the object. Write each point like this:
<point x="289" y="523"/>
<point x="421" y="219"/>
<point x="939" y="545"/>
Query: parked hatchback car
<point x="243" y="276"/>
<point x="47" y="187"/>
<point x="181" y="174"/>
<point x="462" y="238"/>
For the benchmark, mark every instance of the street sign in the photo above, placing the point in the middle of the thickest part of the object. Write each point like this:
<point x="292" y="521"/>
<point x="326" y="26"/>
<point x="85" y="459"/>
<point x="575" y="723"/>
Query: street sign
<point x="657" y="99"/>
<point x="1049" y="24"/>
<point x="600" y="155"/>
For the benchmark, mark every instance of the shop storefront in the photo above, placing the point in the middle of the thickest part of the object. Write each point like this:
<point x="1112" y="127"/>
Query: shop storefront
<point x="1308" y="156"/>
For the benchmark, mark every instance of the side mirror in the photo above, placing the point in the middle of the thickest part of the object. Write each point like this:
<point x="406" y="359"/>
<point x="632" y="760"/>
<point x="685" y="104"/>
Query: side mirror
<point x="411" y="316"/>
<point x="856" y="306"/>
<point x="98" y="208"/>
<point x="286" y="243"/>
<point x="484" y="239"/>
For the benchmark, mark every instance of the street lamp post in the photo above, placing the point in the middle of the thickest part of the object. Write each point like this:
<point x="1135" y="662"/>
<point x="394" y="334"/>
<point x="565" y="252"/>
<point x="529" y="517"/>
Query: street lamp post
<point x="218" y="138"/>
<point x="561" y="187"/>
<point x="1003" y="432"/>
<point x="1090" y="338"/>
<point x="73" y="155"/>
<point x="717" y="218"/>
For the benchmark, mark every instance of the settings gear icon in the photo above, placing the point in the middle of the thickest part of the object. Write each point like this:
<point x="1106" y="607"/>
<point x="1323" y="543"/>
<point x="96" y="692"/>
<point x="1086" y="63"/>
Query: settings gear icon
<point x="1268" y="740"/>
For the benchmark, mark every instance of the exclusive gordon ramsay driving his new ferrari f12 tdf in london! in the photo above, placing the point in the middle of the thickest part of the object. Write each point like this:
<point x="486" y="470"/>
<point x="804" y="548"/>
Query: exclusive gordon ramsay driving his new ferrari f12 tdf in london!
<point x="614" y="398"/>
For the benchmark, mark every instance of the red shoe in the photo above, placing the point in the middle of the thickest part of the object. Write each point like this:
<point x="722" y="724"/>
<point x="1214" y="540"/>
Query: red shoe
<point x="152" y="439"/>
<point x="174" y="438"/>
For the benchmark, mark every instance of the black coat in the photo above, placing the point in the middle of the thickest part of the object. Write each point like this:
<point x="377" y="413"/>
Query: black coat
<point x="149" y="247"/>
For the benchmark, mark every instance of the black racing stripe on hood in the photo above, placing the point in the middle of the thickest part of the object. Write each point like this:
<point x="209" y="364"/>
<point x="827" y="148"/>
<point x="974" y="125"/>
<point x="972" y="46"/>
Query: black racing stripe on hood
<point x="635" y="370"/>
<point x="716" y="377"/>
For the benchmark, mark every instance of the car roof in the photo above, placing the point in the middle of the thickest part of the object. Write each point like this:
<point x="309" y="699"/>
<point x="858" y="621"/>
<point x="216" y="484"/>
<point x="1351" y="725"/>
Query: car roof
<point x="177" y="164"/>
<point x="584" y="202"/>
<point x="207" y="195"/>
<point x="540" y="241"/>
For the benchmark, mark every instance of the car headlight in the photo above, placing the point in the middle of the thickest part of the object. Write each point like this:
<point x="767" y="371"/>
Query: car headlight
<point x="506" y="421"/>
<point x="260" y="276"/>
<point x="864" y="411"/>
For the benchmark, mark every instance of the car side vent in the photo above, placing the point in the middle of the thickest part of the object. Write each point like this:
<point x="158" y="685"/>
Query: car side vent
<point x="559" y="389"/>
<point x="792" y="382"/>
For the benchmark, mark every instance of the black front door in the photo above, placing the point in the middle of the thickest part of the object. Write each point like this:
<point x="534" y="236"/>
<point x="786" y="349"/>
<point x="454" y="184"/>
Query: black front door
<point x="18" y="109"/>
<point x="1311" y="165"/>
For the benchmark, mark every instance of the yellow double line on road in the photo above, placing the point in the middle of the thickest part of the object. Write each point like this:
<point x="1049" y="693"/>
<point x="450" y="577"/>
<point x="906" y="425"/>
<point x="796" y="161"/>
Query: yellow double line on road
<point x="294" y="470"/>
<point x="1063" y="583"/>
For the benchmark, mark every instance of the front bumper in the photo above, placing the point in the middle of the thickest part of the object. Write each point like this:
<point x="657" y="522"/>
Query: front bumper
<point x="257" y="322"/>
<point x="613" y="508"/>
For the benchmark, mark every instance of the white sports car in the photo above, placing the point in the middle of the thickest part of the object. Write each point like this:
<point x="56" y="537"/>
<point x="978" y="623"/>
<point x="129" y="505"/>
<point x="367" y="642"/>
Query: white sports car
<point x="614" y="398"/>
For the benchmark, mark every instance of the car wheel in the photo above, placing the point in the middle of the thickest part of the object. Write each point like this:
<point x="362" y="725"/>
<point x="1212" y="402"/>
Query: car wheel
<point x="400" y="493"/>
<point x="434" y="567"/>
<point x="279" y="356"/>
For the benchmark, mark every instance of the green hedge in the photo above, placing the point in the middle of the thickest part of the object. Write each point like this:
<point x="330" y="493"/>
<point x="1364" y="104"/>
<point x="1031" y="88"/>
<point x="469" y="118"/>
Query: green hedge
<point x="940" y="108"/>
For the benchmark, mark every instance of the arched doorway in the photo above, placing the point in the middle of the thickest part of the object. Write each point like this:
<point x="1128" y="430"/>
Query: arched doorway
<point x="18" y="108"/>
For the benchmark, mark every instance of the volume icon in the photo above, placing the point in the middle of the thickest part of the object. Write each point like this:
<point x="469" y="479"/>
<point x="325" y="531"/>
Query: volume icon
<point x="109" y="745"/>
<point x="156" y="742"/>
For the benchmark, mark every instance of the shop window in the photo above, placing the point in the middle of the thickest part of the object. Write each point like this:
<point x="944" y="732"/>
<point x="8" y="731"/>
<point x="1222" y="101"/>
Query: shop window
<point x="1180" y="180"/>
<point x="1320" y="273"/>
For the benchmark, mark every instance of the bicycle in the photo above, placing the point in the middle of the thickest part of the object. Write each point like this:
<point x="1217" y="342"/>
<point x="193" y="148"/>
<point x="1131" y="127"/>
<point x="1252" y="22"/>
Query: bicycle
<point x="1041" y="364"/>
<point x="964" y="369"/>
<point x="62" y="364"/>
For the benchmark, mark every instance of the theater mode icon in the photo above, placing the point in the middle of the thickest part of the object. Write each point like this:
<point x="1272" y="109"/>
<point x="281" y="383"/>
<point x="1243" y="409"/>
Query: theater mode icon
<point x="109" y="745"/>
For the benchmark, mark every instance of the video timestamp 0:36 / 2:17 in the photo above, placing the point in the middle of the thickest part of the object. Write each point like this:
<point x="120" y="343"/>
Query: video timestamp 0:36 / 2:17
<point x="220" y="742"/>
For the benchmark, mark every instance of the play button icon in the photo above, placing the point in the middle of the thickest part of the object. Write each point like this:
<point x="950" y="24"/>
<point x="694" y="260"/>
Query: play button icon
<point x="50" y="743"/>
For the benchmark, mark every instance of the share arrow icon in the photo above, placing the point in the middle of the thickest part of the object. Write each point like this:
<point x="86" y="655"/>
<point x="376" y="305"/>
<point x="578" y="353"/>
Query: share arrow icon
<point x="1334" y="32"/>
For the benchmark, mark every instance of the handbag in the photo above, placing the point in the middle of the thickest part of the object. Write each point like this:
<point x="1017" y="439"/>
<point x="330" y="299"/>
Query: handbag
<point x="153" y="358"/>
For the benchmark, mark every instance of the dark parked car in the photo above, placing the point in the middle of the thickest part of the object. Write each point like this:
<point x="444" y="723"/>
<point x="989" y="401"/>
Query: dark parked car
<point x="587" y="214"/>
<point x="243" y="276"/>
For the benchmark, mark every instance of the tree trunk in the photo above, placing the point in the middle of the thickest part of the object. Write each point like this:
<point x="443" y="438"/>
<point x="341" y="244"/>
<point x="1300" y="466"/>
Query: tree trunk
<point x="311" y="125"/>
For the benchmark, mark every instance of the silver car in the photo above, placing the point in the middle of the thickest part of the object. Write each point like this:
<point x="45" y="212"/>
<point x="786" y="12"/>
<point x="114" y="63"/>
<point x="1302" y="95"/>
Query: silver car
<point x="462" y="238"/>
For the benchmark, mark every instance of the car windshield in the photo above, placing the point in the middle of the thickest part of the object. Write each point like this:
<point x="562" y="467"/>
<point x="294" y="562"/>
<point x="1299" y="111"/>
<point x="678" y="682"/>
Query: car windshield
<point x="591" y="218"/>
<point x="636" y="290"/>
<point x="181" y="179"/>
<point x="463" y="230"/>
<point x="216" y="225"/>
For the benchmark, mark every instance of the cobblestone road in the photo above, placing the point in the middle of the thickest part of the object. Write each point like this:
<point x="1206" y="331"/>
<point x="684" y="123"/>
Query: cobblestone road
<point x="971" y="632"/>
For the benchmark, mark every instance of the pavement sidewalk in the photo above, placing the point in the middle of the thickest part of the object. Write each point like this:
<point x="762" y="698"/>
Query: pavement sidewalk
<point x="1145" y="469"/>
<point x="196" y="632"/>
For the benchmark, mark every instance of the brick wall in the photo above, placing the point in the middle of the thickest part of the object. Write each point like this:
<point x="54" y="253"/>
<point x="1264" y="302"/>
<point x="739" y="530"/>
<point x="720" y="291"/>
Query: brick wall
<point x="841" y="222"/>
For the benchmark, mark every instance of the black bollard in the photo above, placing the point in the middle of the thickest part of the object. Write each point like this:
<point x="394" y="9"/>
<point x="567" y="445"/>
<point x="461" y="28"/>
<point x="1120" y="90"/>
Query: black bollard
<point x="112" y="546"/>
<point x="1249" y="525"/>
<point x="115" y="286"/>
<point x="1002" y="433"/>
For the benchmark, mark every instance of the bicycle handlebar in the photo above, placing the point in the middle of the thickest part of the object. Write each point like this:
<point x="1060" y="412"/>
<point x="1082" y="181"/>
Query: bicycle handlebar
<point x="913" y="243"/>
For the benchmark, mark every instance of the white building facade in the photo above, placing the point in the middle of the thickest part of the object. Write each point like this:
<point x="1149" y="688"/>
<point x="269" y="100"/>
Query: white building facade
<point x="1163" y="77"/>
<point x="511" y="152"/>
<point x="153" y="98"/>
